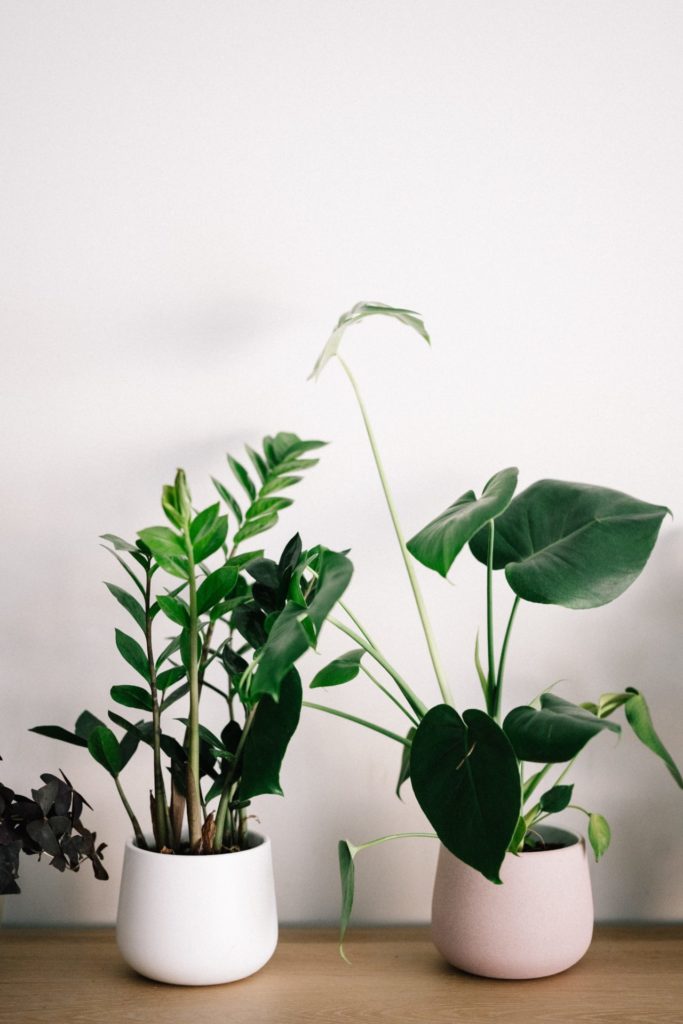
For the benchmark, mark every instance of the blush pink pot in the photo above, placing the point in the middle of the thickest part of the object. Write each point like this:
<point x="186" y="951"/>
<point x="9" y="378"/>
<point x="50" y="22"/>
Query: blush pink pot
<point x="538" y="922"/>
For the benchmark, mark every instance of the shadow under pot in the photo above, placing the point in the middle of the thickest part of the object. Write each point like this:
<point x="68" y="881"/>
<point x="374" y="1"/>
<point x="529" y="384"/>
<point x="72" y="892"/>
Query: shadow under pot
<point x="538" y="922"/>
<point x="197" y="920"/>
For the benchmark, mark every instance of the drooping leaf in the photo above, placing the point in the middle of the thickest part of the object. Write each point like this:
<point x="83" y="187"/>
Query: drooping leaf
<point x="638" y="717"/>
<point x="131" y="651"/>
<point x="266" y="743"/>
<point x="334" y="575"/>
<point x="466" y="779"/>
<point x="347" y="874"/>
<point x="56" y="732"/>
<point x="571" y="544"/>
<point x="359" y="312"/>
<point x="104" y="747"/>
<point x="215" y="587"/>
<point x="132" y="697"/>
<point x="341" y="670"/>
<point x="556" y="799"/>
<point x="130" y="603"/>
<point x="599" y="834"/>
<point x="555" y="733"/>
<point x="404" y="770"/>
<point x="439" y="543"/>
<point x="286" y="642"/>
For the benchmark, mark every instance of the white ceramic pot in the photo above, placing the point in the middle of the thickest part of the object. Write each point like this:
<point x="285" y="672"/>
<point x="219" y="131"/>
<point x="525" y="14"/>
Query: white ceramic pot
<point x="197" y="920"/>
<point x="538" y="922"/>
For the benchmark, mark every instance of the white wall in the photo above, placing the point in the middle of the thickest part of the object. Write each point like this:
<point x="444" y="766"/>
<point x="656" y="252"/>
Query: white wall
<point x="191" y="194"/>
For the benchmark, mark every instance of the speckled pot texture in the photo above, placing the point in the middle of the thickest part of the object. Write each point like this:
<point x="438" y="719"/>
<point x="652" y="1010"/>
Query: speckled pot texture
<point x="538" y="922"/>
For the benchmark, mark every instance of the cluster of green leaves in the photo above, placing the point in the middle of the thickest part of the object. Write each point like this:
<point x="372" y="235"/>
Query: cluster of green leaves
<point x="573" y="545"/>
<point x="237" y="613"/>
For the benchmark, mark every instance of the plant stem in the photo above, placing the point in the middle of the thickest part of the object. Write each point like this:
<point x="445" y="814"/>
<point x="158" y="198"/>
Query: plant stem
<point x="224" y="802"/>
<point x="417" y="593"/>
<point x="503" y="656"/>
<point x="416" y="704"/>
<point x="162" y="818"/>
<point x="397" y="835"/>
<point x="567" y="768"/>
<point x="390" y="695"/>
<point x="491" y="695"/>
<point x="139" y="838"/>
<point x="194" y="815"/>
<point x="359" y="721"/>
<point x="535" y="781"/>
<point x="345" y="608"/>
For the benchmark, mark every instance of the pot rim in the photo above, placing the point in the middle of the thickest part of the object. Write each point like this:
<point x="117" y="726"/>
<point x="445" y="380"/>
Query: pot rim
<point x="263" y="842"/>
<point x="577" y="840"/>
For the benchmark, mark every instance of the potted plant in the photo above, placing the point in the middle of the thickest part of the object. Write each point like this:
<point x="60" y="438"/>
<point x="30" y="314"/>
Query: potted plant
<point x="197" y="900"/>
<point x="46" y="823"/>
<point x="484" y="777"/>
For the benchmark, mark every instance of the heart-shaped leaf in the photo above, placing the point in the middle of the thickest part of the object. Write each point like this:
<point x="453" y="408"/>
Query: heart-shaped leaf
<point x="466" y="780"/>
<point x="341" y="670"/>
<point x="572" y="544"/>
<point x="554" y="734"/>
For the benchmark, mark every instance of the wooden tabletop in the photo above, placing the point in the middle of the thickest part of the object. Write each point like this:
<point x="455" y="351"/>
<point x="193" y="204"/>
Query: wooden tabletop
<point x="77" y="977"/>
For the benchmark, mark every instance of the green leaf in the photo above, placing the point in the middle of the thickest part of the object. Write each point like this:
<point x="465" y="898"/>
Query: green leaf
<point x="229" y="500"/>
<point x="242" y="476"/>
<point x="266" y="743"/>
<point x="466" y="779"/>
<point x="441" y="541"/>
<point x="608" y="703"/>
<point x="347" y="874"/>
<point x="263" y="506"/>
<point x="131" y="651"/>
<point x="359" y="312"/>
<point x="172" y="646"/>
<point x="168" y="550"/>
<point x="334" y="575"/>
<point x="518" y="835"/>
<point x="572" y="544"/>
<point x="286" y="642"/>
<point x="85" y="723"/>
<point x="104" y="747"/>
<point x="278" y="483"/>
<point x="169" y="677"/>
<point x="203" y="523"/>
<point x="56" y="732"/>
<point x="119" y="543"/>
<point x="638" y="717"/>
<point x="177" y="695"/>
<point x="211" y="540"/>
<point x="252" y="527"/>
<point x="554" y="734"/>
<point x="215" y="587"/>
<point x="483" y="678"/>
<point x="132" y="697"/>
<point x="169" y="503"/>
<point x="130" y="603"/>
<point x="556" y="799"/>
<point x="341" y="670"/>
<point x="404" y="770"/>
<point x="258" y="463"/>
<point x="599" y="834"/>
<point x="174" y="609"/>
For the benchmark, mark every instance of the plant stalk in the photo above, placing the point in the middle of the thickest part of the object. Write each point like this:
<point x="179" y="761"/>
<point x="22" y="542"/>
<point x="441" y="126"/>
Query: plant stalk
<point x="224" y="802"/>
<point x="387" y="693"/>
<point x="139" y="838"/>
<point x="503" y="656"/>
<point x="194" y="802"/>
<point x="162" y="818"/>
<point x="491" y="695"/>
<point x="359" y="721"/>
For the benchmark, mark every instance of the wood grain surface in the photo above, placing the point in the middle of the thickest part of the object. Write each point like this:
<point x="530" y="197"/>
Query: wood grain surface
<point x="630" y="974"/>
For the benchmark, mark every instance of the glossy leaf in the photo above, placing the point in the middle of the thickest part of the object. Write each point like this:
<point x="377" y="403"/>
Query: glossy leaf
<point x="556" y="799"/>
<point x="347" y="874"/>
<point x="262" y="506"/>
<point x="131" y="651"/>
<point x="174" y="609"/>
<point x="132" y="697"/>
<point x="266" y="743"/>
<point x="104" y="747"/>
<point x="215" y="588"/>
<point x="228" y="498"/>
<point x="169" y="677"/>
<point x="56" y="732"/>
<point x="85" y="723"/>
<point x="555" y="733"/>
<point x="359" y="312"/>
<point x="210" y="541"/>
<point x="286" y="642"/>
<point x="252" y="527"/>
<point x="404" y="770"/>
<point x="599" y="834"/>
<point x="571" y="544"/>
<point x="130" y="603"/>
<point x="441" y="541"/>
<point x="203" y="523"/>
<point x="168" y="550"/>
<point x="243" y="477"/>
<point x="638" y="717"/>
<point x="334" y="575"/>
<point x="341" y="670"/>
<point x="466" y="779"/>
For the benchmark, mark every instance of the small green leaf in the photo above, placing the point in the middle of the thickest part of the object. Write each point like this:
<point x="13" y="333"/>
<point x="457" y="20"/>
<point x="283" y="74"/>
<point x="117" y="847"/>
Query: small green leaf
<point x="556" y="799"/>
<point x="229" y="500"/>
<point x="638" y="717"/>
<point x="347" y="875"/>
<point x="599" y="834"/>
<point x="56" y="732"/>
<point x="212" y="540"/>
<point x="262" y="506"/>
<point x="258" y="463"/>
<point x="252" y="527"/>
<point x="174" y="609"/>
<point x="169" y="677"/>
<point x="85" y="723"/>
<point x="118" y="543"/>
<point x="131" y="651"/>
<point x="286" y="642"/>
<point x="278" y="483"/>
<point x="341" y="670"/>
<point x="203" y="523"/>
<point x="169" y="504"/>
<point x="132" y="697"/>
<point x="554" y="734"/>
<point x="216" y="587"/>
<point x="171" y="648"/>
<point x="130" y="603"/>
<point x="167" y="548"/>
<point x="104" y="747"/>
<point x="242" y="476"/>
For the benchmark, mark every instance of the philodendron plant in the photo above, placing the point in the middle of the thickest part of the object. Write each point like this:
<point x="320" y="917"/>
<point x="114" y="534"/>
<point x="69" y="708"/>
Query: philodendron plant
<point x="248" y="616"/>
<point x="481" y="776"/>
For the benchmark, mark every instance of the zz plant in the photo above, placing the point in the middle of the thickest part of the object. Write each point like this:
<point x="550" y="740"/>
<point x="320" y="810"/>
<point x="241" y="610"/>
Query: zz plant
<point x="249" y="617"/>
<point x="480" y="775"/>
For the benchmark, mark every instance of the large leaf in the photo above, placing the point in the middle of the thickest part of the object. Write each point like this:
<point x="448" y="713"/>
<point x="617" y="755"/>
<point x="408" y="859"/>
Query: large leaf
<point x="359" y="312"/>
<point x="341" y="670"/>
<point x="266" y="743"/>
<point x="466" y="779"/>
<point x="638" y="717"/>
<point x="555" y="733"/>
<point x="571" y="544"/>
<point x="334" y="575"/>
<point x="104" y="747"/>
<point x="441" y="541"/>
<point x="286" y="642"/>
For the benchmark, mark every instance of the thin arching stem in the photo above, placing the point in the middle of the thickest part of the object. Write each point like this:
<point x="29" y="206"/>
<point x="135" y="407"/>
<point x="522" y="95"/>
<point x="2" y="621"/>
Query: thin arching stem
<point x="359" y="721"/>
<point x="390" y="695"/>
<point x="503" y="656"/>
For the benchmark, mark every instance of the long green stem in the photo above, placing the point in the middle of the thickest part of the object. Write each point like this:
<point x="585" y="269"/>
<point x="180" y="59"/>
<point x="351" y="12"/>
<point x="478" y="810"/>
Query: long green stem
<point x="224" y="802"/>
<point x="387" y="693"/>
<point x="345" y="608"/>
<point x="416" y="704"/>
<point x="567" y="768"/>
<point x="491" y="681"/>
<point x="396" y="835"/>
<point x="503" y="657"/>
<point x="358" y="721"/>
<point x="194" y="802"/>
<point x="162" y="817"/>
<point x="417" y="593"/>
<point x="139" y="838"/>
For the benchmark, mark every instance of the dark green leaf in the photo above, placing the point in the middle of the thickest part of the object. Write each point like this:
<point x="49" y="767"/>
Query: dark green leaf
<point x="171" y="648"/>
<point x="291" y="554"/>
<point x="404" y="770"/>
<point x="258" y="463"/>
<point x="127" y="601"/>
<point x="244" y="558"/>
<point x="215" y="587"/>
<point x="104" y="747"/>
<point x="132" y="697"/>
<point x="169" y="677"/>
<point x="466" y="779"/>
<point x="131" y="651"/>
<point x="334" y="576"/>
<point x="174" y="609"/>
<point x="56" y="732"/>
<point x="118" y="543"/>
<point x="202" y="525"/>
<point x="638" y="717"/>
<point x="341" y="670"/>
<point x="265" y="571"/>
<point x="347" y="852"/>
<point x="249" y="620"/>
<point x="177" y="695"/>
<point x="572" y="544"/>
<point x="286" y="642"/>
<point x="554" y="734"/>
<point x="599" y="834"/>
<point x="442" y="540"/>
<point x="85" y="723"/>
<point x="556" y="799"/>
<point x="266" y="743"/>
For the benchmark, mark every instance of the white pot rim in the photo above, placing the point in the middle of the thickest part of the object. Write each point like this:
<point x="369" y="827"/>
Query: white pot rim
<point x="262" y="842"/>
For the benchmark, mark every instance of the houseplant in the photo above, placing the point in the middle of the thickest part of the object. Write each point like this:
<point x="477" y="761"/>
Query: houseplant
<point x="197" y="903"/>
<point x="567" y="544"/>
